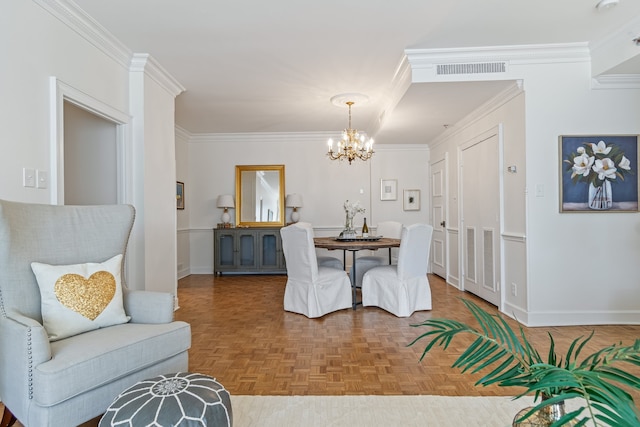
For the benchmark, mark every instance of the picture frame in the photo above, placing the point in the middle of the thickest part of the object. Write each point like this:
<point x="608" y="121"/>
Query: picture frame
<point x="411" y="200"/>
<point x="598" y="173"/>
<point x="180" y="195"/>
<point x="388" y="189"/>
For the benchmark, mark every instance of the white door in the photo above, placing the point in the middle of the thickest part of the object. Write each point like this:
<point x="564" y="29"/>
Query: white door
<point x="480" y="200"/>
<point x="439" y="215"/>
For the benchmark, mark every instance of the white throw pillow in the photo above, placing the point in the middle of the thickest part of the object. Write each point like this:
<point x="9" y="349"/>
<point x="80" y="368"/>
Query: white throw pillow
<point x="81" y="297"/>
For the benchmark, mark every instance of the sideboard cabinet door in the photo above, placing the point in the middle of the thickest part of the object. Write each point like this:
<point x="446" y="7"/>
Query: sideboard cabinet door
<point x="248" y="250"/>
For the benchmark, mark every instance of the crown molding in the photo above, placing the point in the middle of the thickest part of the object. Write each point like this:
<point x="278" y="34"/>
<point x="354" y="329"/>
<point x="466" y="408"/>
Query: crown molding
<point x="517" y="54"/>
<point x="75" y="18"/>
<point x="616" y="81"/>
<point x="626" y="33"/>
<point x="400" y="147"/>
<point x="482" y="111"/>
<point x="263" y="137"/>
<point x="615" y="49"/>
<point x="399" y="85"/>
<point x="67" y="12"/>
<point x="143" y="62"/>
<point x="294" y="137"/>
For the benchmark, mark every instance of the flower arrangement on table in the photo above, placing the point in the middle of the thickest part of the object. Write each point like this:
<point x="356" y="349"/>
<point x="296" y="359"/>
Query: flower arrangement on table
<point x="351" y="209"/>
<point x="598" y="165"/>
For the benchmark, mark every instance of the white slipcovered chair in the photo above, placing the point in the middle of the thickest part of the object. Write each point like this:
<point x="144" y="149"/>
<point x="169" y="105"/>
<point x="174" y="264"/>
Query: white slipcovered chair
<point x="48" y="380"/>
<point x="404" y="288"/>
<point x="329" y="261"/>
<point x="391" y="229"/>
<point x="311" y="290"/>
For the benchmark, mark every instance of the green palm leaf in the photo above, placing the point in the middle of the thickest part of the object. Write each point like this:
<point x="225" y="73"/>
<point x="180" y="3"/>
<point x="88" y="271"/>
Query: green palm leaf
<point x="511" y="360"/>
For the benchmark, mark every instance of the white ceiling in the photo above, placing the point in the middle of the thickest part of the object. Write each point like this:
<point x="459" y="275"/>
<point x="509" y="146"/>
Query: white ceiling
<point x="257" y="66"/>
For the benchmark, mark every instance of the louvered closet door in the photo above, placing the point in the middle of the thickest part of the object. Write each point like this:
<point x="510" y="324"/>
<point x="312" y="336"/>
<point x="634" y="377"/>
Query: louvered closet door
<point x="480" y="230"/>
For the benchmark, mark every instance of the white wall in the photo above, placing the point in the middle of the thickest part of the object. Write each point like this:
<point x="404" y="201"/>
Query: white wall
<point x="158" y="185"/>
<point x="507" y="113"/>
<point x="583" y="267"/>
<point x="569" y="268"/>
<point x="43" y="39"/>
<point x="182" y="175"/>
<point x="323" y="184"/>
<point x="36" y="46"/>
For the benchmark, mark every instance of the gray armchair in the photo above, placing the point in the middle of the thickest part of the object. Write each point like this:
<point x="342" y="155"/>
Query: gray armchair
<point x="72" y="380"/>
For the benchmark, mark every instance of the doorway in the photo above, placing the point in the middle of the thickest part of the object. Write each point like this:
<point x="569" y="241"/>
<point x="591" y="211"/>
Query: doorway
<point x="88" y="149"/>
<point x="480" y="217"/>
<point x="90" y="158"/>
<point x="439" y="216"/>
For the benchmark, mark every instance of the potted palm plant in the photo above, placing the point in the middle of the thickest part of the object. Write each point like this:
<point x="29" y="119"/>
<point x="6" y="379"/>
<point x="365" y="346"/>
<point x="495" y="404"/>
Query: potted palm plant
<point x="507" y="358"/>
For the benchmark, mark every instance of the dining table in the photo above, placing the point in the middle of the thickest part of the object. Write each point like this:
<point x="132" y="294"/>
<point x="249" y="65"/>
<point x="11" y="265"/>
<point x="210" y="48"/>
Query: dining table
<point x="354" y="245"/>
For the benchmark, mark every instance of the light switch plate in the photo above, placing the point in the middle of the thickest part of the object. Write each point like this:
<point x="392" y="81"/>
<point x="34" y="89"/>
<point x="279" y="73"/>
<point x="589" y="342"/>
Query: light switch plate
<point x="28" y="177"/>
<point x="42" y="179"/>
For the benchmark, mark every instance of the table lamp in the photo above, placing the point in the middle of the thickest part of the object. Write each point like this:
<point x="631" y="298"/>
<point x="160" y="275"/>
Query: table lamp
<point x="294" y="201"/>
<point x="225" y="201"/>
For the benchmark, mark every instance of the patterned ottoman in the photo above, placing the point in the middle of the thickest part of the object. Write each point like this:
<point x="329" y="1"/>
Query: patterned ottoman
<point x="179" y="400"/>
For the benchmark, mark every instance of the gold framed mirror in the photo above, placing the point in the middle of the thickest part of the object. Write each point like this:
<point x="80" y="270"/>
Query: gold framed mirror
<point x="260" y="196"/>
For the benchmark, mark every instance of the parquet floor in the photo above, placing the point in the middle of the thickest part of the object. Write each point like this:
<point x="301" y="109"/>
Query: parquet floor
<point x="243" y="337"/>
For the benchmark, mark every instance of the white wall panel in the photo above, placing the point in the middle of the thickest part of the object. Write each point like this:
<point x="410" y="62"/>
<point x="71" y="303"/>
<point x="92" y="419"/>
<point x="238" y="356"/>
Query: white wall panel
<point x="323" y="184"/>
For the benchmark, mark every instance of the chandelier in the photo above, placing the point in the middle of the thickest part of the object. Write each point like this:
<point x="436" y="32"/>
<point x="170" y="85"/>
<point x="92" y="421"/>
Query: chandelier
<point x="353" y="144"/>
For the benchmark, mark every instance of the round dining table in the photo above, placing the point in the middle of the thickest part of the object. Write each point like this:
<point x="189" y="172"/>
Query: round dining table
<point x="354" y="245"/>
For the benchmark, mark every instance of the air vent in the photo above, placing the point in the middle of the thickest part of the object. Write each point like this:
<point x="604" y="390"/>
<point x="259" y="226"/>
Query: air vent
<point x="478" y="68"/>
<point x="471" y="254"/>
<point x="489" y="269"/>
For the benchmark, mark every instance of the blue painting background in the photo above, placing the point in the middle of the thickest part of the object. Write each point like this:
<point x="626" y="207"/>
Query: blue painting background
<point x="623" y="191"/>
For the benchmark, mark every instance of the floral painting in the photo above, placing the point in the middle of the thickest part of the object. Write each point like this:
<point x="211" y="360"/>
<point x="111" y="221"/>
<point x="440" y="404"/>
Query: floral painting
<point x="599" y="173"/>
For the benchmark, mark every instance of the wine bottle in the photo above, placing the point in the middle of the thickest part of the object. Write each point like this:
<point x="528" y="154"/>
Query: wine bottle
<point x="365" y="229"/>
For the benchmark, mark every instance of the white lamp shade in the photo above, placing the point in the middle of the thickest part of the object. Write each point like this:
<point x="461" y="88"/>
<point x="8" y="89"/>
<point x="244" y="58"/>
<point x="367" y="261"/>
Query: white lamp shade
<point x="225" y="201"/>
<point x="294" y="200"/>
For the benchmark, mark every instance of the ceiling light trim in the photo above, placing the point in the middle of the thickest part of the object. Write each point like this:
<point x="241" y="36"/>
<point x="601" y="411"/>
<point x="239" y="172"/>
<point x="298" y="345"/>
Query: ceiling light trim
<point x="606" y="4"/>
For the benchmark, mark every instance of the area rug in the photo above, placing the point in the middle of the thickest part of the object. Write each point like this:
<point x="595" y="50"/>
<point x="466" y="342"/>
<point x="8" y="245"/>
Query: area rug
<point x="373" y="411"/>
<point x="368" y="411"/>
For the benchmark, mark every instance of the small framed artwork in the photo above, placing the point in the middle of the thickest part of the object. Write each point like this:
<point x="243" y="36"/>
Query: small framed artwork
<point x="180" y="194"/>
<point x="388" y="189"/>
<point x="411" y="200"/>
<point x="598" y="173"/>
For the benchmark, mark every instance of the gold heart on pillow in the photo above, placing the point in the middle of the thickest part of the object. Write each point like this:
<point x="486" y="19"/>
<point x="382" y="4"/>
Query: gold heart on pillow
<point x="88" y="297"/>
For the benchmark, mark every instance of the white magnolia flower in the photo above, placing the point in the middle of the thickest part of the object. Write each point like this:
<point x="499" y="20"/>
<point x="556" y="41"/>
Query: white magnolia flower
<point x="600" y="148"/>
<point x="582" y="165"/>
<point x="353" y="208"/>
<point x="624" y="164"/>
<point x="580" y="150"/>
<point x="605" y="169"/>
